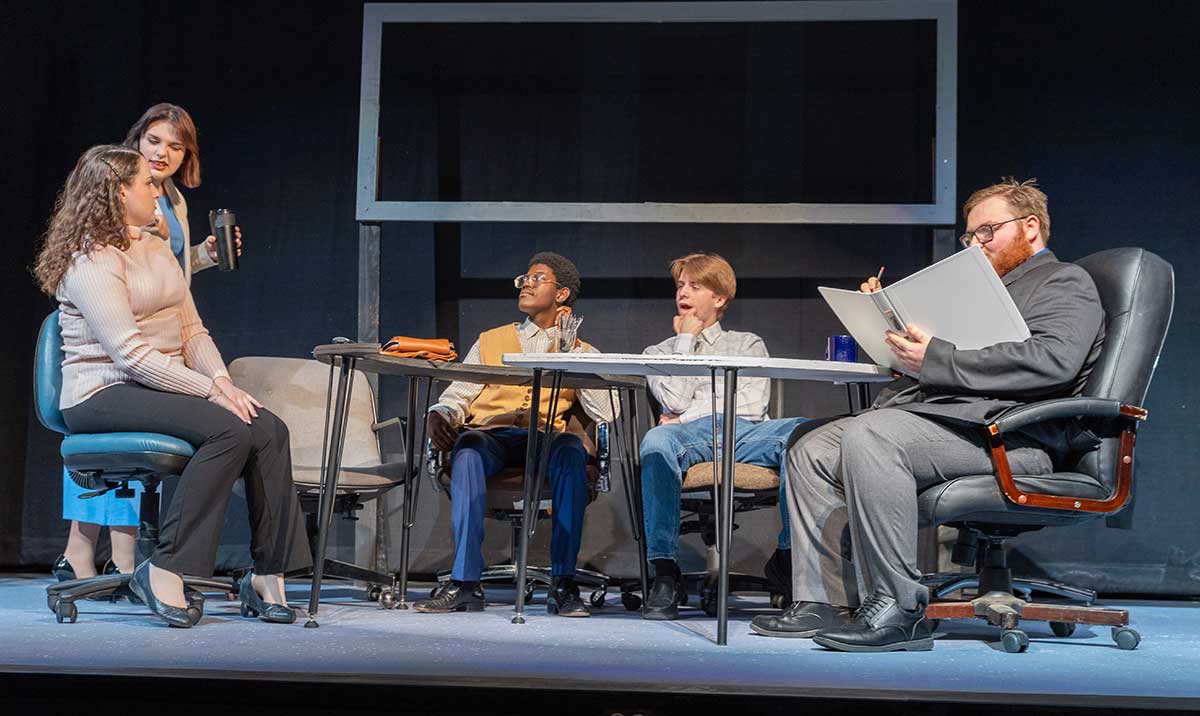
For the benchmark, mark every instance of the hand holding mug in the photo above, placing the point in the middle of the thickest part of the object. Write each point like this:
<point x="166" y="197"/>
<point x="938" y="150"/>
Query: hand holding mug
<point x="210" y="244"/>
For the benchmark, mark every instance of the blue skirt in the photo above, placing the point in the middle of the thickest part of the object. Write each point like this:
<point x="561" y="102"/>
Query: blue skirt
<point x="107" y="509"/>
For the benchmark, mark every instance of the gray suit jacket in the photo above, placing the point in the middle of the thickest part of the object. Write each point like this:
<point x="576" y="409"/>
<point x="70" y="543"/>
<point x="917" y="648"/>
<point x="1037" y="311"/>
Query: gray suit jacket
<point x="970" y="387"/>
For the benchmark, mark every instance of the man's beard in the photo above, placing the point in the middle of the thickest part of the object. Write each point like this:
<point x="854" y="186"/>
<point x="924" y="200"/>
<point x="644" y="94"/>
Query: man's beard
<point x="1011" y="257"/>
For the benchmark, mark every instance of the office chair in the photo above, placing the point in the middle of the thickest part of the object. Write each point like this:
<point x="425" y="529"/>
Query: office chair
<point x="296" y="390"/>
<point x="1137" y="290"/>
<point x="505" y="502"/>
<point x="101" y="462"/>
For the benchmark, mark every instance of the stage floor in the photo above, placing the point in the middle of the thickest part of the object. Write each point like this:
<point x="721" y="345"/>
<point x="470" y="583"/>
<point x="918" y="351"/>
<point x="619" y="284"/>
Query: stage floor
<point x="614" y="650"/>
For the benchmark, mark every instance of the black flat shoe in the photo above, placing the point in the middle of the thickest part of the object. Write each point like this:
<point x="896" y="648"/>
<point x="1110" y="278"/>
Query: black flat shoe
<point x="254" y="606"/>
<point x="452" y="597"/>
<point x="62" y="569"/>
<point x="801" y="620"/>
<point x="663" y="603"/>
<point x="140" y="584"/>
<point x="564" y="599"/>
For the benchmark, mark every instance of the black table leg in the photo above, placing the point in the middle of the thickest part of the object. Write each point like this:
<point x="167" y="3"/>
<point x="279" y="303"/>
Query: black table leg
<point x="725" y="523"/>
<point x="413" y="469"/>
<point x="531" y="463"/>
<point x="332" y="463"/>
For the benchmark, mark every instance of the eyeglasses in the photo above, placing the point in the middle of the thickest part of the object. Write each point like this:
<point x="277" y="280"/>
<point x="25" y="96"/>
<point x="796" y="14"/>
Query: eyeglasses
<point x="984" y="233"/>
<point x="536" y="279"/>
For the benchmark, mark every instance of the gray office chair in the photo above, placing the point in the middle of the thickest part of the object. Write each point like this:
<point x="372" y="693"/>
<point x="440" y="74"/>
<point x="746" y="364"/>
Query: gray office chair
<point x="296" y="390"/>
<point x="1137" y="290"/>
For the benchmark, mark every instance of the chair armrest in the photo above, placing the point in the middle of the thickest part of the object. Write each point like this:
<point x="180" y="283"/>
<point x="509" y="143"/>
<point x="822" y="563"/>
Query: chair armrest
<point x="1025" y="415"/>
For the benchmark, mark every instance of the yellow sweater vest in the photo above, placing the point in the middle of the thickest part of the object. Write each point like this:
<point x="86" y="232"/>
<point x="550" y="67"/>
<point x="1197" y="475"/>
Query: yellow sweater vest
<point x="508" y="405"/>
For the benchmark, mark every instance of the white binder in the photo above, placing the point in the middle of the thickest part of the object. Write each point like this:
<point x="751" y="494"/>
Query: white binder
<point x="959" y="299"/>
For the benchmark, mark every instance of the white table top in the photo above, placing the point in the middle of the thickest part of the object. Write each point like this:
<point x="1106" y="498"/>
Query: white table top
<point x="702" y="365"/>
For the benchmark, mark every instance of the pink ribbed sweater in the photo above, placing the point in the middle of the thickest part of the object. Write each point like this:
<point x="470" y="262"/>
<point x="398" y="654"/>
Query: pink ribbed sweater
<point x="128" y="316"/>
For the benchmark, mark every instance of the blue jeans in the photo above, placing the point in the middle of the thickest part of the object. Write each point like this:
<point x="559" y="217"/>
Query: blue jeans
<point x="480" y="454"/>
<point x="669" y="450"/>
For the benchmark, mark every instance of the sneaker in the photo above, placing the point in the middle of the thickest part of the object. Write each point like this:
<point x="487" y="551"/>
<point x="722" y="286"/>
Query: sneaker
<point x="452" y="597"/>
<point x="564" y="599"/>
<point x="880" y="625"/>
<point x="801" y="620"/>
<point x="663" y="603"/>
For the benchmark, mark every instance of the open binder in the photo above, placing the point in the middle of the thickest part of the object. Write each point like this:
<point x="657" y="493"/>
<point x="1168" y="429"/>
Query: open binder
<point x="959" y="299"/>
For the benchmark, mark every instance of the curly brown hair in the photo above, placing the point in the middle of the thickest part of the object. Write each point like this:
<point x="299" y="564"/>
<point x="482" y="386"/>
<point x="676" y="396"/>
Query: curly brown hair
<point x="89" y="212"/>
<point x="188" y="173"/>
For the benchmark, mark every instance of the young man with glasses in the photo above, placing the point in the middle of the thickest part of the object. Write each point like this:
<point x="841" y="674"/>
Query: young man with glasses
<point x="485" y="429"/>
<point x="704" y="286"/>
<point x="856" y="480"/>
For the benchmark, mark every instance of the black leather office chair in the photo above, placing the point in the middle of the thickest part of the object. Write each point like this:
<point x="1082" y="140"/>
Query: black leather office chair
<point x="1137" y="291"/>
<point x="109" y="461"/>
<point x="506" y="498"/>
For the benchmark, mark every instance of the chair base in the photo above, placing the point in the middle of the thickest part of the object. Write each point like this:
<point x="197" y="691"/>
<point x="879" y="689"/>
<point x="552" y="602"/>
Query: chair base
<point x="999" y="606"/>
<point x="538" y="576"/>
<point x="943" y="584"/>
<point x="61" y="597"/>
<point x="381" y="586"/>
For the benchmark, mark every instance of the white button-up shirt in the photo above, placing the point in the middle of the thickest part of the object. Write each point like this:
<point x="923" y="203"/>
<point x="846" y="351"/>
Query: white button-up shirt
<point x="690" y="397"/>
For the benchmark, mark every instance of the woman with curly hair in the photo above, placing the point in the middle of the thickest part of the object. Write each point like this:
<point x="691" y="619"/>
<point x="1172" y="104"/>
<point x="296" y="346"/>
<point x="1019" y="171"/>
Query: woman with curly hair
<point x="166" y="136"/>
<point x="137" y="358"/>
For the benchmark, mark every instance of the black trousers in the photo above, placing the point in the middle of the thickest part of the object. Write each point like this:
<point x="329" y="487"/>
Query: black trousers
<point x="226" y="449"/>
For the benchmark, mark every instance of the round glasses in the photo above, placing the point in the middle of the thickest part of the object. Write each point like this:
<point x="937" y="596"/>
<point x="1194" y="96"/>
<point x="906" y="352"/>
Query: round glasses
<point x="534" y="279"/>
<point x="984" y="233"/>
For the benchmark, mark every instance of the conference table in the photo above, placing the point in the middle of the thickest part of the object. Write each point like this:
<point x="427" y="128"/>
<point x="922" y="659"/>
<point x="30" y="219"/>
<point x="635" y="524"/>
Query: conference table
<point x="345" y="358"/>
<point x="565" y="365"/>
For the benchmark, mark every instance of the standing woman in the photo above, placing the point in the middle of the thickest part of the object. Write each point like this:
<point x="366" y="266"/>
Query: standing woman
<point x="137" y="358"/>
<point x="166" y="136"/>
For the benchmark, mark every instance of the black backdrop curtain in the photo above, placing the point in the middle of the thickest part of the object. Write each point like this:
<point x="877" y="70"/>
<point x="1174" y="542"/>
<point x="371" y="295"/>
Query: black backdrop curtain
<point x="1097" y="101"/>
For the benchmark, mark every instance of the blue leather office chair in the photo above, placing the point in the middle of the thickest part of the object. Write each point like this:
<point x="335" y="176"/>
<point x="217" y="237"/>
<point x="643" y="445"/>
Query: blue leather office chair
<point x="1137" y="290"/>
<point x="107" y="461"/>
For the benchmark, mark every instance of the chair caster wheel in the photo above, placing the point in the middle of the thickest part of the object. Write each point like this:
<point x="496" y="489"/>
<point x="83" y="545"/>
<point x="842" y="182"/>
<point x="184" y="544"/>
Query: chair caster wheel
<point x="631" y="601"/>
<point x="597" y="598"/>
<point x="52" y="602"/>
<point x="195" y="614"/>
<point x="66" y="612"/>
<point x="777" y="600"/>
<point x="1015" y="641"/>
<point x="1062" y="628"/>
<point x="387" y="599"/>
<point x="1127" y="639"/>
<point x="374" y="592"/>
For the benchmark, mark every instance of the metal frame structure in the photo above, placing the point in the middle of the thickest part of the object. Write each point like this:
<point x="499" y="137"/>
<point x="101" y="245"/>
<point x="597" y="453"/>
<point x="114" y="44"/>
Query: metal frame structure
<point x="940" y="212"/>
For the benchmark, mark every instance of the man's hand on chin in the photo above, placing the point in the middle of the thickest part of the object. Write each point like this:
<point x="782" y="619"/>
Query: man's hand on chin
<point x="909" y="347"/>
<point x="688" y="323"/>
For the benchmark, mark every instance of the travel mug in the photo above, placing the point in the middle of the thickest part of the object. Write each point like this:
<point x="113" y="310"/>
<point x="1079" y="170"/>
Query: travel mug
<point x="222" y="222"/>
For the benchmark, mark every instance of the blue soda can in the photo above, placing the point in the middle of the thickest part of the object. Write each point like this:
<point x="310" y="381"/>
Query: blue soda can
<point x="841" y="348"/>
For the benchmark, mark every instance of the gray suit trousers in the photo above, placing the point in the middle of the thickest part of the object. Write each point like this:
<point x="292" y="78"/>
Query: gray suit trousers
<point x="852" y="500"/>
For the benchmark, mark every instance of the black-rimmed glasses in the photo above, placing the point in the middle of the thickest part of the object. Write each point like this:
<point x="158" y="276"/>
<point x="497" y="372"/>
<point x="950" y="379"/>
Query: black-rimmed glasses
<point x="984" y="233"/>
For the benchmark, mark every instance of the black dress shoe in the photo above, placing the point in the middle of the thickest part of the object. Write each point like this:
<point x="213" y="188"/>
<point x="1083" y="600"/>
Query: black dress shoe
<point x="254" y="605"/>
<point x="62" y="569"/>
<point x="880" y="625"/>
<point x="140" y="584"/>
<point x="453" y="596"/>
<point x="663" y="603"/>
<point x="564" y="599"/>
<point x="801" y="620"/>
